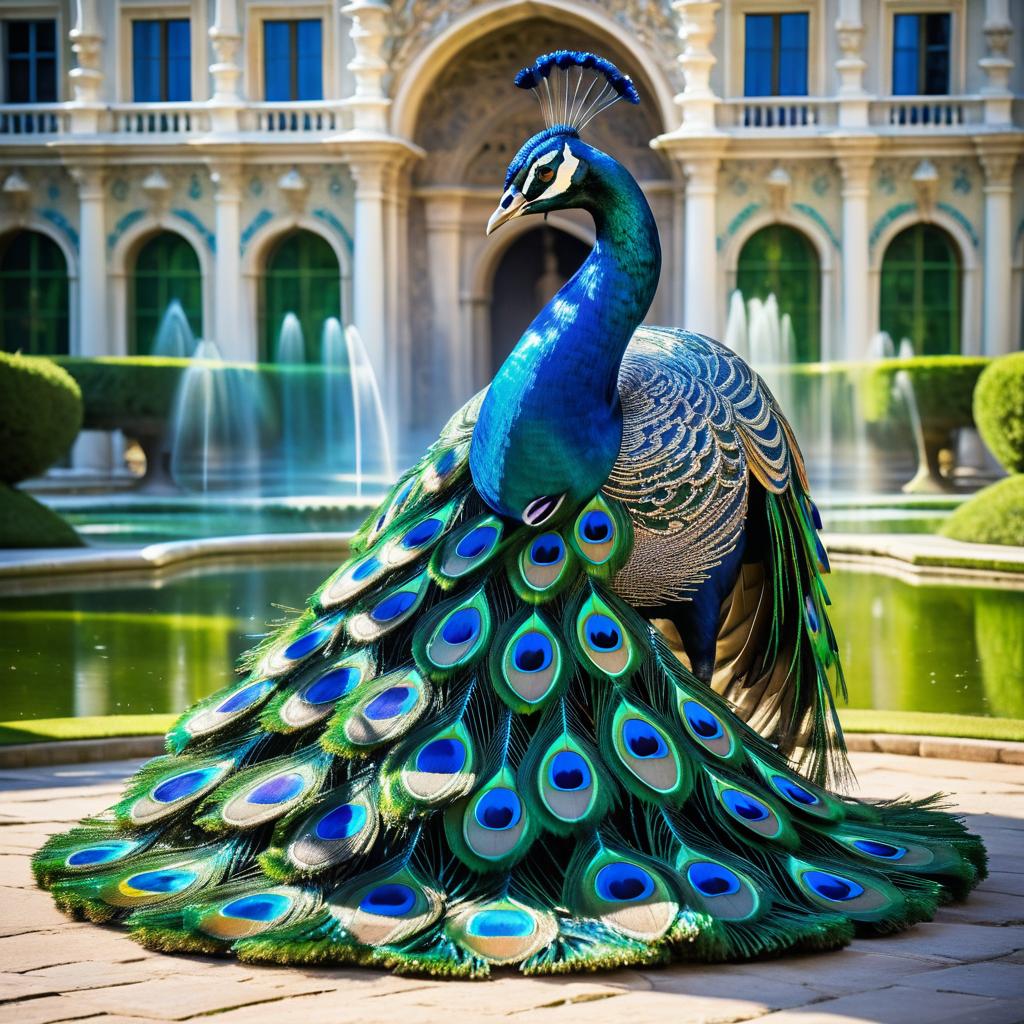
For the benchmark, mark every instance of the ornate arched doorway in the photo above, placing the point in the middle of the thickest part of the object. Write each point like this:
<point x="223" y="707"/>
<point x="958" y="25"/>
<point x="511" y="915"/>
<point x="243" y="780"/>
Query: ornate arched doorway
<point x="531" y="271"/>
<point x="779" y="260"/>
<point x="921" y="290"/>
<point x="33" y="295"/>
<point x="166" y="267"/>
<point x="470" y="125"/>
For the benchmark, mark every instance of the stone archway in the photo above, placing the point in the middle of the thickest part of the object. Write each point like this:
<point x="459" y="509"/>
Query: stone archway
<point x="470" y="125"/>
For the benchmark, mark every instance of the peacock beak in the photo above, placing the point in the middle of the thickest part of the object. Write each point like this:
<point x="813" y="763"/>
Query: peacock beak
<point x="511" y="205"/>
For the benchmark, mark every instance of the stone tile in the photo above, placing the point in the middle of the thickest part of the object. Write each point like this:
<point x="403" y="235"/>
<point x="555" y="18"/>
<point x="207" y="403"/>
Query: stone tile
<point x="846" y="970"/>
<point x="71" y="944"/>
<point x="775" y="993"/>
<point x="20" y="986"/>
<point x="44" y="1010"/>
<point x="998" y="980"/>
<point x="655" y="1008"/>
<point x="90" y="974"/>
<point x="174" y="998"/>
<point x="896" y="1005"/>
<point x="30" y="910"/>
<point x="16" y="872"/>
<point x="983" y="907"/>
<point x="963" y="942"/>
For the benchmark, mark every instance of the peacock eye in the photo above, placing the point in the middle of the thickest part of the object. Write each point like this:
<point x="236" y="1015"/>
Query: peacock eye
<point x="546" y="174"/>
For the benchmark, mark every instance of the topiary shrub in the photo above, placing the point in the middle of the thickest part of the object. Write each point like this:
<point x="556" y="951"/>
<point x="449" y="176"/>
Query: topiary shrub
<point x="40" y="415"/>
<point x="27" y="523"/>
<point x="999" y="410"/>
<point x="995" y="515"/>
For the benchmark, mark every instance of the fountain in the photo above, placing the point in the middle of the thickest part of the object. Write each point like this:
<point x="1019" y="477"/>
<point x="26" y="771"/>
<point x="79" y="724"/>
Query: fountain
<point x="300" y="456"/>
<point x="174" y="338"/>
<point x="221" y="414"/>
<point x="372" y="455"/>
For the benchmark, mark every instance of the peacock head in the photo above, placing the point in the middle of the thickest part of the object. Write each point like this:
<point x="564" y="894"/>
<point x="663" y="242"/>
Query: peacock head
<point x="552" y="170"/>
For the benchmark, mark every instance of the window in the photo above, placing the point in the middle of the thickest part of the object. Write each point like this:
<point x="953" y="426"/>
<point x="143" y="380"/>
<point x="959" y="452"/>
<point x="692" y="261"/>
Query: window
<point x="775" y="62"/>
<point x="302" y="277"/>
<point x="162" y="61"/>
<point x="30" y="51"/>
<point x="166" y="268"/>
<point x="921" y="54"/>
<point x="921" y="290"/>
<point x="292" y="60"/>
<point x="781" y="261"/>
<point x="33" y="295"/>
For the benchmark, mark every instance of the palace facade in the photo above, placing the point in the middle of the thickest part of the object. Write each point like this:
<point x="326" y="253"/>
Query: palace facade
<point x="857" y="158"/>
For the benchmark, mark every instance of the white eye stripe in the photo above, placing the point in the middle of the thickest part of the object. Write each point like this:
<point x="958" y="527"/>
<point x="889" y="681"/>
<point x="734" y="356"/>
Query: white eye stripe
<point x="563" y="179"/>
<point x="539" y="162"/>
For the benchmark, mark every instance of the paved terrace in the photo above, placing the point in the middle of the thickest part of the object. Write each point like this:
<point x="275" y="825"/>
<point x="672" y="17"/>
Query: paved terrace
<point x="967" y="966"/>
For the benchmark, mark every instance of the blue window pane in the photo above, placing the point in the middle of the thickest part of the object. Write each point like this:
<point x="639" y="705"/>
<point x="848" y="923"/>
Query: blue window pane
<point x="179" y="61"/>
<point x="310" y="63"/>
<point x="146" y="61"/>
<point x="757" y="67"/>
<point x="277" y="61"/>
<point x="936" y="68"/>
<point x="793" y="55"/>
<point x="905" y="54"/>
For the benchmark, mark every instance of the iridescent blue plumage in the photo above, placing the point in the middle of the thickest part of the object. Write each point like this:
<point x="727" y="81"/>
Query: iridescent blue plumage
<point x="478" y="746"/>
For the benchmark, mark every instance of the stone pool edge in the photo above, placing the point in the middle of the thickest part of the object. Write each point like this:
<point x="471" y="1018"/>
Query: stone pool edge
<point x="909" y="555"/>
<point x="951" y="748"/>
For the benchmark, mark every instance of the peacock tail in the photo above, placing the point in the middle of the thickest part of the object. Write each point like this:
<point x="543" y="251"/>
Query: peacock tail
<point x="471" y="751"/>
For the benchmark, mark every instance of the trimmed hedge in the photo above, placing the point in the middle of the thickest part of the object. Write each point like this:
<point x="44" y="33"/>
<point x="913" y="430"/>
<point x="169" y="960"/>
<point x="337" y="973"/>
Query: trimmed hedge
<point x="995" y="515"/>
<point x="943" y="387"/>
<point x="118" y="391"/>
<point x="137" y="392"/>
<point x="999" y="410"/>
<point x="40" y="415"/>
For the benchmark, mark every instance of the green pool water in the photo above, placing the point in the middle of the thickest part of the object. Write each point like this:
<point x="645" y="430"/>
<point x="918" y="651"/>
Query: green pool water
<point x="155" y="644"/>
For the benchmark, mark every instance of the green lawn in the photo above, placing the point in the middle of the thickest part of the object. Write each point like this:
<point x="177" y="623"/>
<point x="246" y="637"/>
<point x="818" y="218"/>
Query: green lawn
<point x="854" y="720"/>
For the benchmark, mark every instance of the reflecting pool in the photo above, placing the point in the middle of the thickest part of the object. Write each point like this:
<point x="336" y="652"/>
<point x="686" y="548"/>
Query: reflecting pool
<point x="156" y="643"/>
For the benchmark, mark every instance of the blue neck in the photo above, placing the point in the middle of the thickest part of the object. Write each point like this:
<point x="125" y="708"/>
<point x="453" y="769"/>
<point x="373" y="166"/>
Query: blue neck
<point x="551" y="423"/>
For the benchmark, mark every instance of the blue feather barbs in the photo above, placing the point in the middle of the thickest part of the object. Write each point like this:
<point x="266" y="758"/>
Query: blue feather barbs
<point x="564" y="98"/>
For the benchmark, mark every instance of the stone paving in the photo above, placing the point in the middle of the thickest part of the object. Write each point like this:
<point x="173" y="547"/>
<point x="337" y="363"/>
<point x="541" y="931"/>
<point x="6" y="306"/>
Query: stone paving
<point x="967" y="966"/>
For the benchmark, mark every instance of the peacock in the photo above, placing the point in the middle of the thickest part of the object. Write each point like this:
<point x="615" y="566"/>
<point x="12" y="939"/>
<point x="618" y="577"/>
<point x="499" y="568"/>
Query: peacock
<point x="568" y="705"/>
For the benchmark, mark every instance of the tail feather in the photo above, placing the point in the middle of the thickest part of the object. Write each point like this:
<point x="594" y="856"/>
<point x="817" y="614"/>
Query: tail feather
<point x="469" y="752"/>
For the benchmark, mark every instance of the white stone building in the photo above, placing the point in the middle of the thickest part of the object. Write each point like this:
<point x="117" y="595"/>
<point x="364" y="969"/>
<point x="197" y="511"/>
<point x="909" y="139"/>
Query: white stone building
<point x="858" y="157"/>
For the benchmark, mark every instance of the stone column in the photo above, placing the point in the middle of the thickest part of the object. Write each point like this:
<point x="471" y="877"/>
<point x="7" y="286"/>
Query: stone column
<point x="853" y="100"/>
<point x="997" y="63"/>
<point x="370" y="268"/>
<point x="93" y="449"/>
<point x="855" y="157"/>
<point x="697" y="30"/>
<point x="369" y="103"/>
<point x="454" y="358"/>
<point x="701" y="301"/>
<point x="87" y="76"/>
<point x="998" y="156"/>
<point x="226" y="39"/>
<point x="233" y="341"/>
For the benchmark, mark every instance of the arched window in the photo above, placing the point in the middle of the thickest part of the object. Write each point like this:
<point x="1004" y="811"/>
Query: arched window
<point x="302" y="277"/>
<point x="781" y="261"/>
<point x="166" y="268"/>
<point x="33" y="295"/>
<point x="921" y="290"/>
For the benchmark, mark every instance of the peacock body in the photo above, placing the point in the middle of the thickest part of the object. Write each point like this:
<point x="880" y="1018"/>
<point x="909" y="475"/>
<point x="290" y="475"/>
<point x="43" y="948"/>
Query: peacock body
<point x="568" y="704"/>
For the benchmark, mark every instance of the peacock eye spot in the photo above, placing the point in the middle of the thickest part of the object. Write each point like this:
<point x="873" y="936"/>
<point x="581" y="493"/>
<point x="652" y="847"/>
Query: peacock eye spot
<point x="546" y="174"/>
